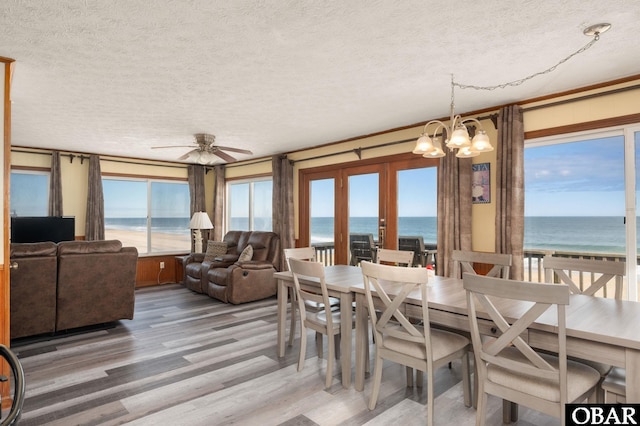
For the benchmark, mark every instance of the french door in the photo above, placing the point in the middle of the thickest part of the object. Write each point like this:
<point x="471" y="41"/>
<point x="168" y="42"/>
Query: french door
<point x="340" y="204"/>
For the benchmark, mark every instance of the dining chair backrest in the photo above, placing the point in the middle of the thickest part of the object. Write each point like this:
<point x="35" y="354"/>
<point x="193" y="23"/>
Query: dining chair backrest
<point x="303" y="253"/>
<point x="509" y="354"/>
<point x="392" y="285"/>
<point x="585" y="276"/>
<point x="362" y="247"/>
<point x="302" y="269"/>
<point x="415" y="244"/>
<point x="463" y="262"/>
<point x="395" y="257"/>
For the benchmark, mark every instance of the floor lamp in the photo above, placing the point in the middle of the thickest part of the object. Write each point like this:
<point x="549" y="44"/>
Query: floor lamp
<point x="200" y="220"/>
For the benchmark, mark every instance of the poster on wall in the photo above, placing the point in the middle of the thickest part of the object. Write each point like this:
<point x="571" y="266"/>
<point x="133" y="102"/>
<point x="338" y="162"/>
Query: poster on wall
<point x="481" y="186"/>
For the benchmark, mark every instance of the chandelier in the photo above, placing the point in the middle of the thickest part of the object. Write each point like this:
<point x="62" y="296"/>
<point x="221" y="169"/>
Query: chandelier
<point x="457" y="136"/>
<point x="456" y="133"/>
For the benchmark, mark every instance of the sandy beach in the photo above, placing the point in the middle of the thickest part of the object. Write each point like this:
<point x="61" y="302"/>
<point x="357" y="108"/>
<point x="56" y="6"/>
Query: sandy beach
<point x="161" y="242"/>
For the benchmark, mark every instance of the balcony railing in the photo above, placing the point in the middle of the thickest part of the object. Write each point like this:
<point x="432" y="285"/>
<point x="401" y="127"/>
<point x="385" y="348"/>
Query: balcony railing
<point x="532" y="258"/>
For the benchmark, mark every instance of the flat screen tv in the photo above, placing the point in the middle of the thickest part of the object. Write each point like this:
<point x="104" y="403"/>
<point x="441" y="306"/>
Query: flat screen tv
<point x="38" y="229"/>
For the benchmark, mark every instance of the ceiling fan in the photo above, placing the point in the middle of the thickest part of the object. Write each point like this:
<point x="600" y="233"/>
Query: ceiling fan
<point x="206" y="152"/>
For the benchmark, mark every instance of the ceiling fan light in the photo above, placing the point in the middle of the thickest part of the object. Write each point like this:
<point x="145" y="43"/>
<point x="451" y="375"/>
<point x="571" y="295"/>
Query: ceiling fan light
<point x="481" y="143"/>
<point x="201" y="157"/>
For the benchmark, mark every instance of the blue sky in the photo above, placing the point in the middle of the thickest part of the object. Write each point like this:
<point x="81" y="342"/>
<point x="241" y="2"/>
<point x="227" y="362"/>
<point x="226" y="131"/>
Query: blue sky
<point x="126" y="198"/>
<point x="575" y="179"/>
<point x="583" y="178"/>
<point x="417" y="194"/>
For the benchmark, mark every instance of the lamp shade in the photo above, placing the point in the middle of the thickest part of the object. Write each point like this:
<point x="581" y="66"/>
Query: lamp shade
<point x="200" y="220"/>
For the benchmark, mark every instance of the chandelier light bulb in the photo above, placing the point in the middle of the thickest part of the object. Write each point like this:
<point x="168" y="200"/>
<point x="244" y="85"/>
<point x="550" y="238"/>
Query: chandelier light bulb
<point x="481" y="143"/>
<point x="467" y="152"/>
<point x="459" y="138"/>
<point x="424" y="144"/>
<point x="437" y="151"/>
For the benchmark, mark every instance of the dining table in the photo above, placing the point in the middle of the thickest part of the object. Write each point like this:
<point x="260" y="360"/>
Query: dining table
<point x="597" y="329"/>
<point x="339" y="279"/>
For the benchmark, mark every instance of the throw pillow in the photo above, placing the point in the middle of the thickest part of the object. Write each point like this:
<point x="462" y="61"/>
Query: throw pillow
<point x="246" y="254"/>
<point x="215" y="249"/>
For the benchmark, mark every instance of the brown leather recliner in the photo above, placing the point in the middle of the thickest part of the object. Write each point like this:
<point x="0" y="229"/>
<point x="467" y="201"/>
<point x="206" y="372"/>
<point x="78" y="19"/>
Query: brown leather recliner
<point x="231" y="281"/>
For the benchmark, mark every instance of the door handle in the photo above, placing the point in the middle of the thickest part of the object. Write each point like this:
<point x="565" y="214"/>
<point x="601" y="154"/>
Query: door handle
<point x="13" y="265"/>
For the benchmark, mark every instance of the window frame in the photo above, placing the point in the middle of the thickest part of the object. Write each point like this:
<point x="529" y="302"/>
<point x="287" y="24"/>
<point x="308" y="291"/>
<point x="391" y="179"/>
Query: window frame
<point x="251" y="181"/>
<point x="33" y="171"/>
<point x="148" y="181"/>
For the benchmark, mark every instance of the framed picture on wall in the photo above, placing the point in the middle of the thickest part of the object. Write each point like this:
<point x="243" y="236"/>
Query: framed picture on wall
<point x="481" y="185"/>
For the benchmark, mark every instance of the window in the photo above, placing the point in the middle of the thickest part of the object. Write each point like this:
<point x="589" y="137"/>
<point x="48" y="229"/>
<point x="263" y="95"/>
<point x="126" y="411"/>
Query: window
<point x="249" y="205"/>
<point x="575" y="196"/>
<point x="152" y="215"/>
<point x="29" y="193"/>
<point x="580" y="199"/>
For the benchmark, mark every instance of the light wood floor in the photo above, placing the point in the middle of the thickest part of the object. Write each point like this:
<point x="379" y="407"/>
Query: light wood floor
<point x="187" y="359"/>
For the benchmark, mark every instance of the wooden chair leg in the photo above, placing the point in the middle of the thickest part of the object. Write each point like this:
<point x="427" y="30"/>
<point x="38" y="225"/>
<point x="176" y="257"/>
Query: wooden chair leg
<point x="377" y="378"/>
<point x="292" y="328"/>
<point x="303" y="347"/>
<point x="409" y="372"/>
<point x="319" y="345"/>
<point x="331" y="340"/>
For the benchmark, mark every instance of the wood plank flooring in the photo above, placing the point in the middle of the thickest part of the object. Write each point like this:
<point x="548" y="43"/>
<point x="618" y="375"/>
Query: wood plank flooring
<point x="187" y="359"/>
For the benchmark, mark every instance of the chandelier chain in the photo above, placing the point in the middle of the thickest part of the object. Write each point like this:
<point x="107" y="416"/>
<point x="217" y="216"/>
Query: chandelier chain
<point x="522" y="80"/>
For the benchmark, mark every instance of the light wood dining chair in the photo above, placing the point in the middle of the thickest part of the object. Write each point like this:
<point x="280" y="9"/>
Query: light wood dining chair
<point x="398" y="258"/>
<point x="507" y="366"/>
<point x="593" y="278"/>
<point x="585" y="276"/>
<point x="399" y="340"/>
<point x="304" y="253"/>
<point x="326" y="322"/>
<point x="463" y="261"/>
<point x="394" y="257"/>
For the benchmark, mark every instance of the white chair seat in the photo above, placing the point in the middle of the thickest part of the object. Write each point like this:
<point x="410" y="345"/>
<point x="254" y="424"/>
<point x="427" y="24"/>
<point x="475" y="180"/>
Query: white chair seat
<point x="315" y="306"/>
<point x="320" y="318"/>
<point x="443" y="344"/>
<point x="580" y="378"/>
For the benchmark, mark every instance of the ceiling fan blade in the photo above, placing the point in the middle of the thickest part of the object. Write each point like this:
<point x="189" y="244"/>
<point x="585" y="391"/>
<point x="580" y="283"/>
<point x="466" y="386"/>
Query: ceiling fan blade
<point x="238" y="150"/>
<point x="185" y="156"/>
<point x="172" y="146"/>
<point x="226" y="157"/>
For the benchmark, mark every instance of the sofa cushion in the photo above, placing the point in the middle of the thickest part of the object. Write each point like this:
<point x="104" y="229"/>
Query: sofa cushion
<point x="33" y="249"/>
<point x="87" y="247"/>
<point x="246" y="254"/>
<point x="215" y="249"/>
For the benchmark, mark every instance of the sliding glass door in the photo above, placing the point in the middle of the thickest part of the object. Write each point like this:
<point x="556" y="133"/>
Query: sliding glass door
<point x="580" y="200"/>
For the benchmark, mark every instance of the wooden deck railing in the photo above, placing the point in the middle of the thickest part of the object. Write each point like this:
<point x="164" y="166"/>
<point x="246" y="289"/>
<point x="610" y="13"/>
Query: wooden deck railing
<point x="533" y="261"/>
<point x="532" y="258"/>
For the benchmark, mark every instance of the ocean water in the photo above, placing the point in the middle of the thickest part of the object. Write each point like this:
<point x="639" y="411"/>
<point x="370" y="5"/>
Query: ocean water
<point x="169" y="225"/>
<point x="581" y="234"/>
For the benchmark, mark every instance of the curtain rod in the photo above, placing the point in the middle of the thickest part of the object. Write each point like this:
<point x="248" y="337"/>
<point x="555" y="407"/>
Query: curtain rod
<point x="357" y="151"/>
<point x="83" y="157"/>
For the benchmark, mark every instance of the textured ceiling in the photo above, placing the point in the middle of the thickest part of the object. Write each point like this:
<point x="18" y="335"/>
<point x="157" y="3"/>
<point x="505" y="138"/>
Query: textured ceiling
<point x="120" y="76"/>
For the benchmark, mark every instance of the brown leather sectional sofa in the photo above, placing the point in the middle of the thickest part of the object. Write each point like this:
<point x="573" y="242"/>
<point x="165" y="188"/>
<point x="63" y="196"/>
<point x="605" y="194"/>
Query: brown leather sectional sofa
<point x="71" y="284"/>
<point x="231" y="281"/>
